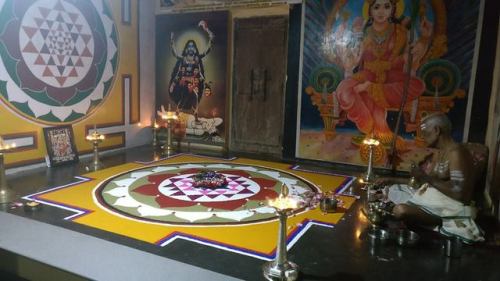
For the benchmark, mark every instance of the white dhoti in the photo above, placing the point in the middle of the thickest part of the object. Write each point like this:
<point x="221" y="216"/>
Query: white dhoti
<point x="457" y="218"/>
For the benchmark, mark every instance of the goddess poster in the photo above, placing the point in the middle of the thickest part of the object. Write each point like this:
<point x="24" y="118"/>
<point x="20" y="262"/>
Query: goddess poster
<point x="359" y="80"/>
<point x="191" y="73"/>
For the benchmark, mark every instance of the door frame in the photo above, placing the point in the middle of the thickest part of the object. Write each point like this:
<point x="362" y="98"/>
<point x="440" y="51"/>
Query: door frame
<point x="275" y="13"/>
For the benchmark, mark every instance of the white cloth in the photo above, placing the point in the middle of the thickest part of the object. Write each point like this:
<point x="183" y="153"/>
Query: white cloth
<point x="400" y="193"/>
<point x="202" y="125"/>
<point x="457" y="218"/>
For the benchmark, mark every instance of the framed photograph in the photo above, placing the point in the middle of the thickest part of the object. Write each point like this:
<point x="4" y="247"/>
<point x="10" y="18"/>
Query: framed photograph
<point x="60" y="144"/>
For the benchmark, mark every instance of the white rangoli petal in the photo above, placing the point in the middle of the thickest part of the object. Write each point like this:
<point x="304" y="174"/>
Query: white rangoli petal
<point x="140" y="174"/>
<point x="61" y="112"/>
<point x="37" y="108"/>
<point x="83" y="106"/>
<point x="189" y="166"/>
<point x="271" y="174"/>
<point x="118" y="191"/>
<point x="152" y="211"/>
<point x="193" y="216"/>
<point x="265" y="210"/>
<point x="124" y="182"/>
<point x="162" y="169"/>
<point x="220" y="166"/>
<point x="246" y="168"/>
<point x="15" y="94"/>
<point x="127" y="202"/>
<point x="236" y="215"/>
<point x="98" y="92"/>
<point x="288" y="181"/>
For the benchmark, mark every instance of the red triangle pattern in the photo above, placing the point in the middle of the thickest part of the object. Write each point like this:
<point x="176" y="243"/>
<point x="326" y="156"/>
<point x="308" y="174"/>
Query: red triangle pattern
<point x="44" y="11"/>
<point x="47" y="72"/>
<point x="40" y="61"/>
<point x="61" y="80"/>
<point x="79" y="62"/>
<point x="59" y="6"/>
<point x="30" y="48"/>
<point x="73" y="17"/>
<point x="194" y="197"/>
<point x="86" y="38"/>
<point x="58" y="29"/>
<point x="246" y="191"/>
<point x="30" y="31"/>
<point x="86" y="53"/>
<point x="73" y="73"/>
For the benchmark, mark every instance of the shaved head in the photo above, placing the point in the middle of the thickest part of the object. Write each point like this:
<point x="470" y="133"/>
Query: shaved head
<point x="437" y="119"/>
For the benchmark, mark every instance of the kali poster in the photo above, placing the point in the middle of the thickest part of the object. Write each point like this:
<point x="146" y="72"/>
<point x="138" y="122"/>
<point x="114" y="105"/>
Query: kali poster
<point x="191" y="59"/>
<point x="358" y="79"/>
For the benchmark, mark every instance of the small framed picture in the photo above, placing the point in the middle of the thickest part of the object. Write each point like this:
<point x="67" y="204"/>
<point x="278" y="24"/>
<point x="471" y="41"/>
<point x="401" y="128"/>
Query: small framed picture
<point x="60" y="144"/>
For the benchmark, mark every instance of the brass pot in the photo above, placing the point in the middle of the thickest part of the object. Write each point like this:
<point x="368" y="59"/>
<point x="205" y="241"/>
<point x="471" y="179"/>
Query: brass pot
<point x="328" y="205"/>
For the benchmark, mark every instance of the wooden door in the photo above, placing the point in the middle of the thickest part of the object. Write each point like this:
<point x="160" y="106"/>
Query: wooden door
<point x="260" y="51"/>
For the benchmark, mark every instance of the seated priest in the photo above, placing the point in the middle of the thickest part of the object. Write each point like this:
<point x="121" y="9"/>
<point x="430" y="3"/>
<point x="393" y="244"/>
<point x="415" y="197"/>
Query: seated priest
<point x="445" y="186"/>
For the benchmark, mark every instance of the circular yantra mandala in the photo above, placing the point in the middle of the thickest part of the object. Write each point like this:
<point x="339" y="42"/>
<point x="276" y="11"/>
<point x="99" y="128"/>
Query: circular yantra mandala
<point x="59" y="57"/>
<point x="165" y="194"/>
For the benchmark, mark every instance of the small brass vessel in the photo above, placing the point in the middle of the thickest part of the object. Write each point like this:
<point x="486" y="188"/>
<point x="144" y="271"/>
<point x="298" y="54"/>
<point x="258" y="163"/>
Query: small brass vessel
<point x="328" y="204"/>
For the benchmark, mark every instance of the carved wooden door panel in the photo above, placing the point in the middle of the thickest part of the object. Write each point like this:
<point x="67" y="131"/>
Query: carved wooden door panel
<point x="260" y="52"/>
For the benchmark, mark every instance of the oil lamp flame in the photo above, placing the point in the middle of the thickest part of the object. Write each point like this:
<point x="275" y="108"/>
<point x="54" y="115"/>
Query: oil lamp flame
<point x="169" y="115"/>
<point x="95" y="136"/>
<point x="371" y="142"/>
<point x="5" y="146"/>
<point x="283" y="203"/>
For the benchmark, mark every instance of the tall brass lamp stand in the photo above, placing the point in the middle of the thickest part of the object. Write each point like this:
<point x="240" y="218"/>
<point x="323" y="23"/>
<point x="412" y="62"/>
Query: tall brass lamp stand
<point x="170" y="118"/>
<point x="95" y="138"/>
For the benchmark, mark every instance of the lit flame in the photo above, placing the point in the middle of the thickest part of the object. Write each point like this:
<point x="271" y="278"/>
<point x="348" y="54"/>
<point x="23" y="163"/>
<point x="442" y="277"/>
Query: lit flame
<point x="371" y="142"/>
<point x="357" y="233"/>
<point x="169" y="115"/>
<point x="283" y="203"/>
<point x="95" y="136"/>
<point x="4" y="146"/>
